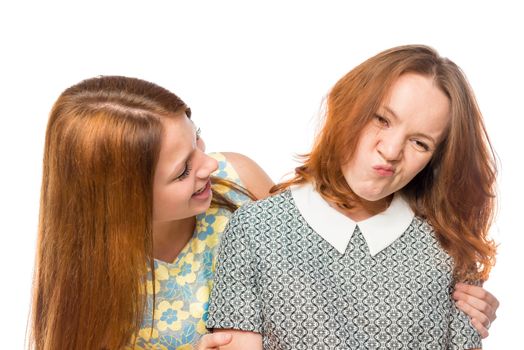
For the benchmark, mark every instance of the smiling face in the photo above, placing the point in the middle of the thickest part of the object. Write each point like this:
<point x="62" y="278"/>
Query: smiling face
<point x="181" y="187"/>
<point x="401" y="139"/>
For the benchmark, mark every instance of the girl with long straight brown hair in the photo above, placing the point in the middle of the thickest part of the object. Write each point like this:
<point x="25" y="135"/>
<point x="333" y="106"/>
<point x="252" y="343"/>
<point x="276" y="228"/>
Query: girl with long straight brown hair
<point x="122" y="257"/>
<point x="392" y="206"/>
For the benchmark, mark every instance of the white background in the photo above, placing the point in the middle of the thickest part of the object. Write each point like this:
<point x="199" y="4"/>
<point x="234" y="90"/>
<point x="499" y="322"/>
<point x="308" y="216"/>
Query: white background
<point x="254" y="74"/>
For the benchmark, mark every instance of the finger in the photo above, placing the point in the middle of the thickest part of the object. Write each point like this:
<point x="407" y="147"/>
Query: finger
<point x="474" y="313"/>
<point x="479" y="293"/>
<point x="480" y="305"/>
<point x="213" y="340"/>
<point x="483" y="331"/>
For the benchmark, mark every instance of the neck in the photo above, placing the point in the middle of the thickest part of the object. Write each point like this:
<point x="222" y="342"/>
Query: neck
<point x="170" y="237"/>
<point x="364" y="209"/>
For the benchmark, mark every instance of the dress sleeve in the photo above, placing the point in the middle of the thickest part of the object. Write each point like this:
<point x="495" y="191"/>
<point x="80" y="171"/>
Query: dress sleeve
<point x="462" y="333"/>
<point x="235" y="298"/>
<point x="226" y="171"/>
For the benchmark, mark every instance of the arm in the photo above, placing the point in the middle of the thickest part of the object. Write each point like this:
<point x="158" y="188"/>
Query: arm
<point x="234" y="305"/>
<point x="251" y="174"/>
<point x="480" y="305"/>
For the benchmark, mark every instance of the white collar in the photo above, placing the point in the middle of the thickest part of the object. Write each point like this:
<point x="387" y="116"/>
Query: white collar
<point x="379" y="231"/>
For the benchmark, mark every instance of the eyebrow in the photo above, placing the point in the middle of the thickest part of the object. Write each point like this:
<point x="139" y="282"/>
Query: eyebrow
<point x="392" y="112"/>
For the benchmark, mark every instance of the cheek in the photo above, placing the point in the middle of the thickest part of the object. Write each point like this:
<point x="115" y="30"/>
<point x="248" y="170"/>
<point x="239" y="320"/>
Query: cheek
<point x="160" y="205"/>
<point x="364" y="154"/>
<point x="417" y="164"/>
<point x="167" y="202"/>
<point x="348" y="172"/>
<point x="357" y="165"/>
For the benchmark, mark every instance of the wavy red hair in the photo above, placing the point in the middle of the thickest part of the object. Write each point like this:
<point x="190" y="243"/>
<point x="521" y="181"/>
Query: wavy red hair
<point x="455" y="192"/>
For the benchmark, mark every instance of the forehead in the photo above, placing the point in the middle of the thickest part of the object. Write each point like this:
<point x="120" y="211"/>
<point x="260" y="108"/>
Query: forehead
<point x="178" y="141"/>
<point x="419" y="103"/>
<point x="176" y="127"/>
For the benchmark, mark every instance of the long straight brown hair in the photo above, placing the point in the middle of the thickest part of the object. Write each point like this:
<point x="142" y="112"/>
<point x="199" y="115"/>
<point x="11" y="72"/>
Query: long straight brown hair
<point x="95" y="228"/>
<point x="455" y="191"/>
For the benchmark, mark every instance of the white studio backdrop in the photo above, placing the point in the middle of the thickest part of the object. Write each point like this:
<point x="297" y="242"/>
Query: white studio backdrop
<point x="254" y="74"/>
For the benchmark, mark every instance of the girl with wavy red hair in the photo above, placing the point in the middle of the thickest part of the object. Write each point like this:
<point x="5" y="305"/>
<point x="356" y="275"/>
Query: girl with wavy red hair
<point x="392" y="206"/>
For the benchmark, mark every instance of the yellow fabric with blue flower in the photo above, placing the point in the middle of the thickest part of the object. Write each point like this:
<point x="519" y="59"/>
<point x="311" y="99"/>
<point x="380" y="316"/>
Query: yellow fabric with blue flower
<point x="183" y="286"/>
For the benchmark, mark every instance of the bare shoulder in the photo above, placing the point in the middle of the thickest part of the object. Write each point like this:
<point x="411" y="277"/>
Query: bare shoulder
<point x="251" y="174"/>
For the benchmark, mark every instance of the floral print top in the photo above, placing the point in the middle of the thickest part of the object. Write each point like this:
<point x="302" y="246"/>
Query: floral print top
<point x="183" y="286"/>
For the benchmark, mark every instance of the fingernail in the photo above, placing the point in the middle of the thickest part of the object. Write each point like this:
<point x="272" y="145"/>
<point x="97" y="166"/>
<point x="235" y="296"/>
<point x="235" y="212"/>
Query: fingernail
<point x="224" y="336"/>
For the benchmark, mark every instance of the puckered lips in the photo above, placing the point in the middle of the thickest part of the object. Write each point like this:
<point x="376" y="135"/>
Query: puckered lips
<point x="384" y="170"/>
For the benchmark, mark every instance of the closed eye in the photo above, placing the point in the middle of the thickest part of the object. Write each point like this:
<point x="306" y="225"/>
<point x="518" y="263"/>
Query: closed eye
<point x="420" y="145"/>
<point x="185" y="173"/>
<point x="382" y="121"/>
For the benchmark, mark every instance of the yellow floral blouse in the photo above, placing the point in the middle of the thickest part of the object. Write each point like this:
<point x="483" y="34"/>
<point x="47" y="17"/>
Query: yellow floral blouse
<point x="183" y="286"/>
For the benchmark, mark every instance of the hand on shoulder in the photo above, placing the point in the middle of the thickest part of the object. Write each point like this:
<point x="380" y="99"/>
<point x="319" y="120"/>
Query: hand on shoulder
<point x="213" y="341"/>
<point x="479" y="304"/>
<point x="253" y="177"/>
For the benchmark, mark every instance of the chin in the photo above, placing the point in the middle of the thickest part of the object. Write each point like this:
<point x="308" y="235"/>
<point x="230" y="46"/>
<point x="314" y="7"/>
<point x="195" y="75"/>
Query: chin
<point x="372" y="196"/>
<point x="203" y="208"/>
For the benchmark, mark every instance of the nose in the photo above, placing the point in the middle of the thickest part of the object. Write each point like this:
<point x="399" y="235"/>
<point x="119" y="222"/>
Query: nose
<point x="390" y="147"/>
<point x="207" y="166"/>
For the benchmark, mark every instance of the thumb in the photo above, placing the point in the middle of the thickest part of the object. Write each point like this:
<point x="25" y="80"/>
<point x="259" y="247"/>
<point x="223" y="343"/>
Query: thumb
<point x="212" y="340"/>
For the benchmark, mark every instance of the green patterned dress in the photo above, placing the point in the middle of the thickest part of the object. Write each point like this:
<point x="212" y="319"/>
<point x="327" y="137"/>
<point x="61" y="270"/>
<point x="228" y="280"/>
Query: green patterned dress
<point x="183" y="286"/>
